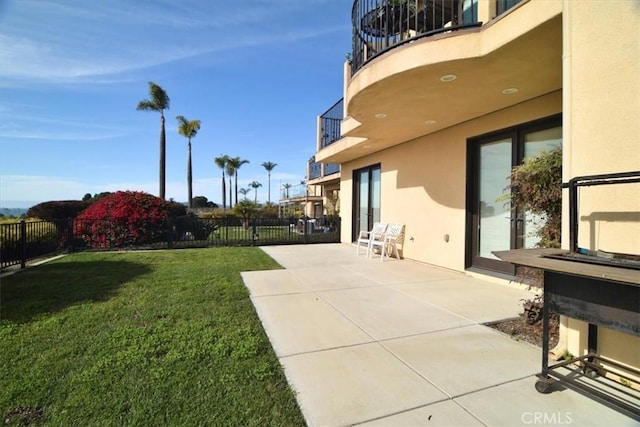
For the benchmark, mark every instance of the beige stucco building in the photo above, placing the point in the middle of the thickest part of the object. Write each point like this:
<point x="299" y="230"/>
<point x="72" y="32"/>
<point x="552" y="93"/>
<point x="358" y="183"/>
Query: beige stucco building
<point x="443" y="97"/>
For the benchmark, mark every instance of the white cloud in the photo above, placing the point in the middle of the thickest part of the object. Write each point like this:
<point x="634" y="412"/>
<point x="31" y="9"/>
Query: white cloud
<point x="94" y="43"/>
<point x="26" y="126"/>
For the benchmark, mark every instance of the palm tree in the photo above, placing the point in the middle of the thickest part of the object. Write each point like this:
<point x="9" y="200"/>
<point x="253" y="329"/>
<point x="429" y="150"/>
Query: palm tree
<point x="221" y="162"/>
<point x="237" y="162"/>
<point x="255" y="185"/>
<point x="159" y="101"/>
<point x="231" y="171"/>
<point x="269" y="166"/>
<point x="286" y="186"/>
<point x="188" y="129"/>
<point x="244" y="192"/>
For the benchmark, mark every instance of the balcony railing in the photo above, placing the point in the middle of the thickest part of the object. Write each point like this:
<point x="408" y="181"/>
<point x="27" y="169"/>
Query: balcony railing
<point x="331" y="168"/>
<point x="300" y="191"/>
<point x="379" y="25"/>
<point x="315" y="169"/>
<point x="330" y="124"/>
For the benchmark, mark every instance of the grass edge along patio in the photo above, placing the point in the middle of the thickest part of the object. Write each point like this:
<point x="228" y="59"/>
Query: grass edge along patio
<point x="146" y="338"/>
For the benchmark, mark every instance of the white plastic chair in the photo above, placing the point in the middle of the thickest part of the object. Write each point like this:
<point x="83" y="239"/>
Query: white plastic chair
<point x="393" y="236"/>
<point x="367" y="237"/>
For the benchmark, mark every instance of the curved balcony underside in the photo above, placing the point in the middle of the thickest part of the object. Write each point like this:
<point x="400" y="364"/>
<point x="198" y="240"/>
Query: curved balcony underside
<point x="400" y="96"/>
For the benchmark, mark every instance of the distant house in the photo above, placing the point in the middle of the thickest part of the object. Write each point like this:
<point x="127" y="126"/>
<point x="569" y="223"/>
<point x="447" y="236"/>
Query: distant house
<point x="443" y="97"/>
<point x="319" y="195"/>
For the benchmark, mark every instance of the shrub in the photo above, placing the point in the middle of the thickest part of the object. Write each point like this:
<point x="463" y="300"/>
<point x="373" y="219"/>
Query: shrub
<point x="246" y="209"/>
<point x="191" y="227"/>
<point x="536" y="186"/>
<point x="50" y="211"/>
<point x="124" y="218"/>
<point x="269" y="210"/>
<point x="176" y="209"/>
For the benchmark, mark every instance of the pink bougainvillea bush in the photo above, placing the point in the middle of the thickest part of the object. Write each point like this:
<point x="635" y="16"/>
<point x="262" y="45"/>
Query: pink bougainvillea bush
<point x="124" y="218"/>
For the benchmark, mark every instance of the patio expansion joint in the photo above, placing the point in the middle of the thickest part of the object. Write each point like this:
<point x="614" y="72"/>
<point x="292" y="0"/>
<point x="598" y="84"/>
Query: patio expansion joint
<point x="419" y="407"/>
<point x="418" y="334"/>
<point x="426" y="303"/>
<point x="410" y="281"/>
<point x="449" y="398"/>
<point x="324" y="350"/>
<point x="513" y="380"/>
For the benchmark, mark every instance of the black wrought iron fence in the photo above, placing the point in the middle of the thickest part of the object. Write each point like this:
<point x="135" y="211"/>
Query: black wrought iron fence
<point x="379" y="25"/>
<point x="27" y="240"/>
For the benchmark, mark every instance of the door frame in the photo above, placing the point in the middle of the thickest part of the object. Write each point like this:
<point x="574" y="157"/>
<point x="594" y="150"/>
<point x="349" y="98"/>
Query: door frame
<point x="516" y="133"/>
<point x="355" y="229"/>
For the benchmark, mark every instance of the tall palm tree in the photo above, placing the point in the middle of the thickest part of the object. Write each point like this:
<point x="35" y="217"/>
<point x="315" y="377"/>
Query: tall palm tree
<point x="269" y="166"/>
<point x="255" y="185"/>
<point x="231" y="171"/>
<point x="221" y="162"/>
<point x="237" y="162"/>
<point x="159" y="101"/>
<point x="188" y="129"/>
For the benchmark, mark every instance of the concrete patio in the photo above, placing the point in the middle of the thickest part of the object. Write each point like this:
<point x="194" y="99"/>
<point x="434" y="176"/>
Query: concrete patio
<point x="401" y="343"/>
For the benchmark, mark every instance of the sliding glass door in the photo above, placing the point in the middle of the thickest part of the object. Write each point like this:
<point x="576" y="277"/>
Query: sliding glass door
<point x="494" y="221"/>
<point x="494" y="225"/>
<point x="366" y="191"/>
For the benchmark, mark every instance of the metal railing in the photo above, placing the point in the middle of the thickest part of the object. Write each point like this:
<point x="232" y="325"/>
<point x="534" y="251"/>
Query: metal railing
<point x="24" y="241"/>
<point x="330" y="124"/>
<point x="588" y="181"/>
<point x="503" y="5"/>
<point x="315" y="169"/>
<point x="299" y="191"/>
<point x="379" y="25"/>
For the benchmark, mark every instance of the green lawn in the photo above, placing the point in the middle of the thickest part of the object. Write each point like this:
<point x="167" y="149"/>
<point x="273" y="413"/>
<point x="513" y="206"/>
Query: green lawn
<point x="140" y="338"/>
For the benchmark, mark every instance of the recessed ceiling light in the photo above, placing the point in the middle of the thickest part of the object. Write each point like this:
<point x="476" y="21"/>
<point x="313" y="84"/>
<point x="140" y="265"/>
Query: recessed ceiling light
<point x="510" y="90"/>
<point x="429" y="122"/>
<point x="448" y="78"/>
<point x="380" y="116"/>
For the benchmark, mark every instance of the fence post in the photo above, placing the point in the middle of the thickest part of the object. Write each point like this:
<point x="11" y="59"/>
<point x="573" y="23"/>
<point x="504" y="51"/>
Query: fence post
<point x="254" y="232"/>
<point x="70" y="235"/>
<point x="226" y="230"/>
<point x="169" y="233"/>
<point x="23" y="243"/>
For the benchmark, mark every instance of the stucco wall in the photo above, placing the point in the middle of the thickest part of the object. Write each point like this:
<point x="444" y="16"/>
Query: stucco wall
<point x="602" y="117"/>
<point x="601" y="66"/>
<point x="423" y="183"/>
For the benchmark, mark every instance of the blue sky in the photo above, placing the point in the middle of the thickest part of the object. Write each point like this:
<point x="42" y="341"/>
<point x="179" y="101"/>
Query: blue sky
<point x="256" y="73"/>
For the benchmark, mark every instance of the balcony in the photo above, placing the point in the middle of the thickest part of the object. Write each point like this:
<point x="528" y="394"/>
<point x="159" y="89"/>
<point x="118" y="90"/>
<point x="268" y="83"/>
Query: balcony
<point x="300" y="192"/>
<point x="427" y="73"/>
<point x="330" y="124"/>
<point x="316" y="170"/>
<point x="379" y="25"/>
